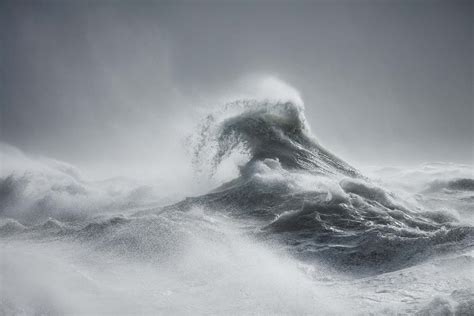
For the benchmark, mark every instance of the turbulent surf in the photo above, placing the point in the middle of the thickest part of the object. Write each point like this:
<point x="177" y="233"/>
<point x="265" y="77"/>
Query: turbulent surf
<point x="297" y="230"/>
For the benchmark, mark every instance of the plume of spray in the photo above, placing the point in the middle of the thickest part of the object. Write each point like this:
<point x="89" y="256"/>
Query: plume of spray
<point x="253" y="93"/>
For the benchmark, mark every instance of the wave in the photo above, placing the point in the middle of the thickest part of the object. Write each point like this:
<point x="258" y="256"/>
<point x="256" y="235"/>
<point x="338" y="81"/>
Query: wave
<point x="289" y="190"/>
<point x="34" y="197"/>
<point x="264" y="129"/>
<point x="34" y="190"/>
<point x="461" y="184"/>
<point x="313" y="201"/>
<point x="425" y="177"/>
<point x="294" y="228"/>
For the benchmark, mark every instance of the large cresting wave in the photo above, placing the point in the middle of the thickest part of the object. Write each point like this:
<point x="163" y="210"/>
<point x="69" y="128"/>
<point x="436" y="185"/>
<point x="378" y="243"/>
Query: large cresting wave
<point x="311" y="200"/>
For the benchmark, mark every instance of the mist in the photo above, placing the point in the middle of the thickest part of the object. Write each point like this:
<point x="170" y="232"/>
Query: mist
<point x="110" y="87"/>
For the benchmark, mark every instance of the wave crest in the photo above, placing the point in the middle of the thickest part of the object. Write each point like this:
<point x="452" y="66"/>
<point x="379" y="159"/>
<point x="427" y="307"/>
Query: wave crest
<point x="263" y="130"/>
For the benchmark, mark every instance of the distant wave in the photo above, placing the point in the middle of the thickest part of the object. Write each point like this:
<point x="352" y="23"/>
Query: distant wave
<point x="462" y="184"/>
<point x="34" y="190"/>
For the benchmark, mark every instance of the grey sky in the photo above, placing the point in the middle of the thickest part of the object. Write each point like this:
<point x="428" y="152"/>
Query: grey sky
<point x="111" y="85"/>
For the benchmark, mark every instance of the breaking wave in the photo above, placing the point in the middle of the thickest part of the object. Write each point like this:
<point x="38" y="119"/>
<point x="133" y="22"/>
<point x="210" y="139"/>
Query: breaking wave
<point x="313" y="201"/>
<point x="295" y="230"/>
<point x="265" y="130"/>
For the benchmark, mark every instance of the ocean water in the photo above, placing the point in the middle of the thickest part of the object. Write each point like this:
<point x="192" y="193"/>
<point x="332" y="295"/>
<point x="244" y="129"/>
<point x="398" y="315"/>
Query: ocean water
<point x="295" y="231"/>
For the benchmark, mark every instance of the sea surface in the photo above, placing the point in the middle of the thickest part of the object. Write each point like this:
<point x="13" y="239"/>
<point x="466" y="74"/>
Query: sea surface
<point x="296" y="231"/>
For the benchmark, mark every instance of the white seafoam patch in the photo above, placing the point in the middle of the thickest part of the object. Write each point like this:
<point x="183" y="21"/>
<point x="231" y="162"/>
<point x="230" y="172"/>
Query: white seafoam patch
<point x="212" y="269"/>
<point x="204" y="264"/>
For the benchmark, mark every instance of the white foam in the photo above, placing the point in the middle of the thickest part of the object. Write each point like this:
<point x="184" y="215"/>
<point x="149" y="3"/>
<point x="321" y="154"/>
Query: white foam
<point x="212" y="269"/>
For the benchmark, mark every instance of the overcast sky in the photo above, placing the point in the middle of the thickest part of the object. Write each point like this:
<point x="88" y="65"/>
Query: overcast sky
<point x="114" y="86"/>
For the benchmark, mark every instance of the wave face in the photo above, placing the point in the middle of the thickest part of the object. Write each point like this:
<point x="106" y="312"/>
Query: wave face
<point x="294" y="230"/>
<point x="267" y="130"/>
